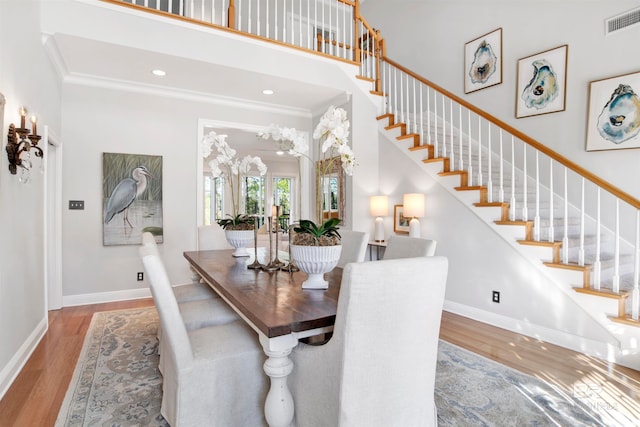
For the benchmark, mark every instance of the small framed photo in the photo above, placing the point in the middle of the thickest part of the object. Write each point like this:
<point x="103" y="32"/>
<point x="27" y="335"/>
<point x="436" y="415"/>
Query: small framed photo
<point x="483" y="61"/>
<point x="614" y="113"/>
<point x="400" y="222"/>
<point x="542" y="81"/>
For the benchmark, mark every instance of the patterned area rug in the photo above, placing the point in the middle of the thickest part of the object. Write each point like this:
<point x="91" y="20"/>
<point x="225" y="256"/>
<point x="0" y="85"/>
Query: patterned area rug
<point x="117" y="383"/>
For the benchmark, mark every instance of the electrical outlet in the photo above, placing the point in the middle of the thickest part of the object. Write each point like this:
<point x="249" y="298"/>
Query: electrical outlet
<point x="76" y="205"/>
<point x="140" y="276"/>
<point x="495" y="296"/>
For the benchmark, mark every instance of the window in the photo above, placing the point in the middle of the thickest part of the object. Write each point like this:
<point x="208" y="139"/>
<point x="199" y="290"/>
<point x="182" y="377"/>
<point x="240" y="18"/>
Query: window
<point x="253" y="191"/>
<point x="283" y="197"/>
<point x="213" y="199"/>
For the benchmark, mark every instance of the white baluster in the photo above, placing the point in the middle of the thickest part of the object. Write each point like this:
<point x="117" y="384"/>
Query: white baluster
<point x="415" y="109"/>
<point x="536" y="219"/>
<point x="292" y="28"/>
<point x="170" y="6"/>
<point x="512" y="202"/>
<point x="444" y="127"/>
<point x="501" y="191"/>
<point x="479" y="150"/>
<point x="258" y="20"/>
<point x="181" y="8"/>
<point x="565" y="221"/>
<point x="250" y="18"/>
<point x="525" y="208"/>
<point x="596" y="265"/>
<point x="435" y="124"/>
<point x="422" y="139"/>
<point x="616" y="251"/>
<point x="461" y="134"/>
<point x="552" y="232"/>
<point x="407" y="107"/>
<point x="395" y="93"/>
<point x="582" y="216"/>
<point x="489" y="171"/>
<point x="267" y="23"/>
<point x="451" y="135"/>
<point x="469" y="149"/>
<point x="428" y="115"/>
<point x="635" y="294"/>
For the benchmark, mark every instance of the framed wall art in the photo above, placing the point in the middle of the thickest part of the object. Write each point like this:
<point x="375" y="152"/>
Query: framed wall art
<point x="132" y="198"/>
<point x="614" y="113"/>
<point x="400" y="222"/>
<point x="542" y="81"/>
<point x="483" y="61"/>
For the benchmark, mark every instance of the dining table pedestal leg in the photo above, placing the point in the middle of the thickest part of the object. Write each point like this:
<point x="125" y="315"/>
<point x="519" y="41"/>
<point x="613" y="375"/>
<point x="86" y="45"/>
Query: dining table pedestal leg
<point x="278" y="407"/>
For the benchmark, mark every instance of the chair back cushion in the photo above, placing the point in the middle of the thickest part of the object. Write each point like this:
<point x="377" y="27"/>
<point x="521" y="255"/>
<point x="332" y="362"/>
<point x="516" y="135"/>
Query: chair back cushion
<point x="173" y="328"/>
<point x="408" y="247"/>
<point x="354" y="246"/>
<point x="212" y="237"/>
<point x="388" y="322"/>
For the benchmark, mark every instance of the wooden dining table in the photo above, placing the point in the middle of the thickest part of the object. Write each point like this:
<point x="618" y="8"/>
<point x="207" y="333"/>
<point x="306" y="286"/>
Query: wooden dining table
<point x="277" y="308"/>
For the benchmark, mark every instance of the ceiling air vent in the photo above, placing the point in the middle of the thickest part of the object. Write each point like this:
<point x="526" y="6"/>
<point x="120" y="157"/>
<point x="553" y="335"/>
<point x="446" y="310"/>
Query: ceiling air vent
<point x="622" y="21"/>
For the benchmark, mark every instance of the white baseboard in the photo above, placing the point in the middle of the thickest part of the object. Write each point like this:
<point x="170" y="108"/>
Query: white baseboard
<point x="601" y="350"/>
<point x="17" y="362"/>
<point x="101" y="297"/>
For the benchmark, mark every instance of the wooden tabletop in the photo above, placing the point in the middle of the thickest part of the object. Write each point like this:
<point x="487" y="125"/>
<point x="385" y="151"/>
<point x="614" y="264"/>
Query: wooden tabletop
<point x="274" y="302"/>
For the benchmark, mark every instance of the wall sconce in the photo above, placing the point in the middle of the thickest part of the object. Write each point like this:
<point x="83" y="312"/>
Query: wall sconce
<point x="379" y="207"/>
<point x="20" y="143"/>
<point x="413" y="206"/>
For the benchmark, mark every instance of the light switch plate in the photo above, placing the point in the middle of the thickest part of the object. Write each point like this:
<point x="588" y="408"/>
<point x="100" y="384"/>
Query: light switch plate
<point x="76" y="205"/>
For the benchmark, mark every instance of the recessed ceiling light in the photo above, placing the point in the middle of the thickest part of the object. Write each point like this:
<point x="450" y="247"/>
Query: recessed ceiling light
<point x="159" y="73"/>
<point x="267" y="92"/>
<point x="280" y="153"/>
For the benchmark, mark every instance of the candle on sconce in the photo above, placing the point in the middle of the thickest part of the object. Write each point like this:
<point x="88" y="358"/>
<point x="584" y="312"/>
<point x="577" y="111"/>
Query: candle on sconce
<point x="33" y="125"/>
<point x="23" y="116"/>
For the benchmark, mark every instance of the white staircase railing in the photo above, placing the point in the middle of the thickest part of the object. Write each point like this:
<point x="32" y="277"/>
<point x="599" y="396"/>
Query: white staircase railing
<point x="595" y="225"/>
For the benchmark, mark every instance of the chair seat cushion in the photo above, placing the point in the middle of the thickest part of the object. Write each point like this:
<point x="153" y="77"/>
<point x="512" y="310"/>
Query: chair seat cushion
<point x="206" y="312"/>
<point x="193" y="292"/>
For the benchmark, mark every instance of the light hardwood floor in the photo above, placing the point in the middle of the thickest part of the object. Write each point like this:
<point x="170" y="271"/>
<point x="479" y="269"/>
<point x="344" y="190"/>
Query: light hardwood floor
<point x="35" y="397"/>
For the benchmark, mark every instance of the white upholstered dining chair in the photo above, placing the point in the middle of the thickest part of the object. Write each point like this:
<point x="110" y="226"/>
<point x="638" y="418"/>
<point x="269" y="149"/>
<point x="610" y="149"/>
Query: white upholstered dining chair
<point x="212" y="376"/>
<point x="379" y="367"/>
<point x="184" y="292"/>
<point x="354" y="246"/>
<point x="408" y="247"/>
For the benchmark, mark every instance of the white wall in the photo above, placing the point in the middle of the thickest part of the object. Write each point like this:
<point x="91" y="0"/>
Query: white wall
<point x="26" y="78"/>
<point x="428" y="37"/>
<point x="98" y="120"/>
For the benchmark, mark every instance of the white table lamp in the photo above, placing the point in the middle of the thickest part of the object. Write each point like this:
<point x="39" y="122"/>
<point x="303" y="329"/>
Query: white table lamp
<point x="379" y="207"/>
<point x="413" y="206"/>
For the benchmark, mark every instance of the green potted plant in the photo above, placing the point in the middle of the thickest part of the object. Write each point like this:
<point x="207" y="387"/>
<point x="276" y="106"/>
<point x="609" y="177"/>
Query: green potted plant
<point x="238" y="222"/>
<point x="316" y="249"/>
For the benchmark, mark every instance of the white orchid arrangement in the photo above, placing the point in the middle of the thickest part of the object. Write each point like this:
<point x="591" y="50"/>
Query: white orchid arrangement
<point x="332" y="132"/>
<point x="228" y="167"/>
<point x="288" y="139"/>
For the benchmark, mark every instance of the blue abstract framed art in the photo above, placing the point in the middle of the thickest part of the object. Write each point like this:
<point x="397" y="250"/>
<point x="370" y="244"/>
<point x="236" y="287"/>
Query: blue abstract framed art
<point x="483" y="61"/>
<point x="614" y="113"/>
<point x="542" y="81"/>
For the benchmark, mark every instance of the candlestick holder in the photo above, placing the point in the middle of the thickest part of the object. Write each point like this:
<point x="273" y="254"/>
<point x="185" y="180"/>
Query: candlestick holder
<point x="255" y="264"/>
<point x="270" y="266"/>
<point x="291" y="267"/>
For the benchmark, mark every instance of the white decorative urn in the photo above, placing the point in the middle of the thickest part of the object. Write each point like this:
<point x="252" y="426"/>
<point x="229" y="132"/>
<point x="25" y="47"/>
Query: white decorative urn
<point x="239" y="239"/>
<point x="315" y="261"/>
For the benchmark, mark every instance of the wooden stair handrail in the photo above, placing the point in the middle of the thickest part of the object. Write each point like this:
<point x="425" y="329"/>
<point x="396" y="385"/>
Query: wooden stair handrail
<point x="622" y="195"/>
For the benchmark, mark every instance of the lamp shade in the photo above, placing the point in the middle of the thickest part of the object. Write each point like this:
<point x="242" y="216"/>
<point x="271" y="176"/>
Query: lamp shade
<point x="379" y="206"/>
<point x="413" y="205"/>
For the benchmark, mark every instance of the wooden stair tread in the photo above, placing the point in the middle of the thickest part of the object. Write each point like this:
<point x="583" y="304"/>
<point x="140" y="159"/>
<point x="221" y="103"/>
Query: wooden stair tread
<point x="408" y="136"/>
<point x="490" y="204"/>
<point x="451" y="173"/>
<point x="606" y="293"/>
<point x="627" y="320"/>
<point x="421" y="147"/>
<point x="369" y="79"/>
<point x="385" y="116"/>
<point x="515" y="222"/>
<point x="540" y="243"/>
<point x="376" y="92"/>
<point x="569" y="266"/>
<point x="470" y="188"/>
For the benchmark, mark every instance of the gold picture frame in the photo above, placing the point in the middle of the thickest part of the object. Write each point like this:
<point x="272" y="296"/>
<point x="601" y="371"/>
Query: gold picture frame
<point x="400" y="222"/>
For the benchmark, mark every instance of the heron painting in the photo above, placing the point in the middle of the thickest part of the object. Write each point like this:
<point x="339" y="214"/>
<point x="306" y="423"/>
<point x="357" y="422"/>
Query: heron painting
<point x="132" y="198"/>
